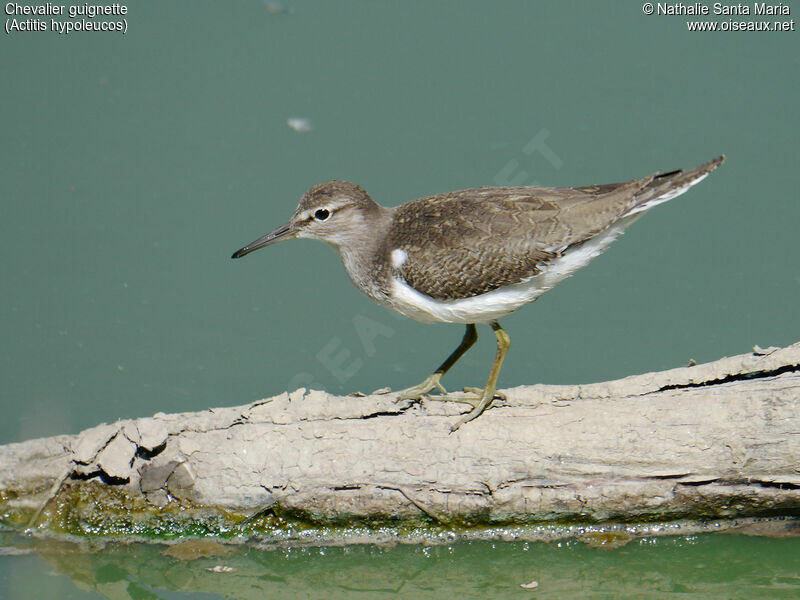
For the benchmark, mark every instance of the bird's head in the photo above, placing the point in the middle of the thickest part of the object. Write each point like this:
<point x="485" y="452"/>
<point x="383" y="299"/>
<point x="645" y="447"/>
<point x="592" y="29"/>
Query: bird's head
<point x="334" y="212"/>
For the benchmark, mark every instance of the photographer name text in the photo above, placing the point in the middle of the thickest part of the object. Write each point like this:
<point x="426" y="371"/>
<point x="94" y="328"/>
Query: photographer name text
<point x="722" y="9"/>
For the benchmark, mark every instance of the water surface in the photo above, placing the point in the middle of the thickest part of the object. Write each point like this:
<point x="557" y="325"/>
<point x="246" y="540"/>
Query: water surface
<point x="704" y="566"/>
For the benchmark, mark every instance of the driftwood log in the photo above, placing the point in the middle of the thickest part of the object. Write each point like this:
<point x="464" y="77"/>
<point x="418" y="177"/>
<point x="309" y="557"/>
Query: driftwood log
<point x="698" y="443"/>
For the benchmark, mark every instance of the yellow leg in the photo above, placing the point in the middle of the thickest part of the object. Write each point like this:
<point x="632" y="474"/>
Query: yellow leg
<point x="488" y="393"/>
<point x="431" y="382"/>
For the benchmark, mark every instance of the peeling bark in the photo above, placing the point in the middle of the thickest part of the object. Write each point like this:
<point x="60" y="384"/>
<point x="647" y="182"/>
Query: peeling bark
<point x="719" y="440"/>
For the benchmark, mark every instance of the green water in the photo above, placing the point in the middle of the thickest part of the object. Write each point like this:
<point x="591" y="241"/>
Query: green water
<point x="704" y="566"/>
<point x="133" y="165"/>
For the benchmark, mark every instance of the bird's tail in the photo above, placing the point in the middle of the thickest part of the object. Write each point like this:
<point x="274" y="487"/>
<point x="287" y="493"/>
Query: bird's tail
<point x="666" y="186"/>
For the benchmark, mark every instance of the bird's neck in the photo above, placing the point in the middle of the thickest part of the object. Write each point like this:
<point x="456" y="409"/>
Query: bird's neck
<point x="361" y="249"/>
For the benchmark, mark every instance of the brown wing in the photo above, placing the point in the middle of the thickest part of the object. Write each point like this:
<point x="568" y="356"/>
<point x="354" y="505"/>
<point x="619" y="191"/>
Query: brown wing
<point x="466" y="243"/>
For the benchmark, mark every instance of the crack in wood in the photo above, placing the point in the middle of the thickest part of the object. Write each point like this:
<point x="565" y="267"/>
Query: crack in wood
<point x="731" y="378"/>
<point x="429" y="513"/>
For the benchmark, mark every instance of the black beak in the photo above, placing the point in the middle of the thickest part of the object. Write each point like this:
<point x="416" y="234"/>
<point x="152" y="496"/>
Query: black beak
<point x="284" y="232"/>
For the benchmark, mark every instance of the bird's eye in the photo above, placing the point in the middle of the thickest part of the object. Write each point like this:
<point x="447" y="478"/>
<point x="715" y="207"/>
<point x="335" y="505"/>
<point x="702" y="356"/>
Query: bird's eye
<point x="321" y="214"/>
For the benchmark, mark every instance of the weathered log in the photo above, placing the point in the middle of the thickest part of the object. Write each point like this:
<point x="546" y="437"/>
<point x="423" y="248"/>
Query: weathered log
<point x="713" y="441"/>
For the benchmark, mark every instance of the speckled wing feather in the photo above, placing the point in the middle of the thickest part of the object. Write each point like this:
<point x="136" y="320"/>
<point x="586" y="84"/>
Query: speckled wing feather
<point x="465" y="243"/>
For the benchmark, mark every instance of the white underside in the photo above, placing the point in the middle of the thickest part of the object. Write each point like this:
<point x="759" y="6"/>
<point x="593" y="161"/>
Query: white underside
<point x="668" y="196"/>
<point x="500" y="302"/>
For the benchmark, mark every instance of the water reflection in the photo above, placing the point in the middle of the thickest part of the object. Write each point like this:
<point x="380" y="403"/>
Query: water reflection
<point x="708" y="566"/>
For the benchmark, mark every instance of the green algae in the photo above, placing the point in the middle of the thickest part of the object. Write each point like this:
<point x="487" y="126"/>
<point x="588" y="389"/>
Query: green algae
<point x="93" y="509"/>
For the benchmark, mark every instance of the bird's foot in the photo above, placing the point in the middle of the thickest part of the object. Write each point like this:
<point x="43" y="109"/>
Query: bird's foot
<point x="416" y="392"/>
<point x="478" y="398"/>
<point x="471" y="395"/>
<point x="479" y="392"/>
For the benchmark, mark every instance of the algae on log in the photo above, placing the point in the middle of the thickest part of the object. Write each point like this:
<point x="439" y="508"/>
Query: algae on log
<point x="713" y="441"/>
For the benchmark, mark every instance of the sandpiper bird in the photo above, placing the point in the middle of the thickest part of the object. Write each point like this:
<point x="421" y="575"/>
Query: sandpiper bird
<point x="472" y="256"/>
